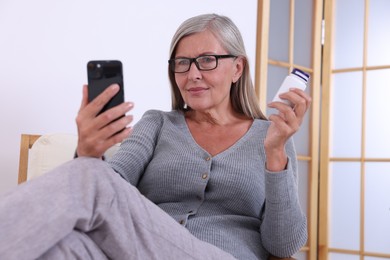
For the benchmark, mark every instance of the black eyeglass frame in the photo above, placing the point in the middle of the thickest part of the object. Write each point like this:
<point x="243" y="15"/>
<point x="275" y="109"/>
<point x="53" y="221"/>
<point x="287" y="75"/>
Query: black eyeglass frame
<point x="194" y="60"/>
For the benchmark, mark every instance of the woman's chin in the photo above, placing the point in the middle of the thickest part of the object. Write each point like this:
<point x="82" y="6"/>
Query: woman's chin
<point x="199" y="107"/>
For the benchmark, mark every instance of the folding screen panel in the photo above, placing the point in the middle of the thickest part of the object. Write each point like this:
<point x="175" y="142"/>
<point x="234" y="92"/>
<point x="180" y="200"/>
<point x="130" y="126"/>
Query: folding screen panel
<point x="289" y="36"/>
<point x="355" y="155"/>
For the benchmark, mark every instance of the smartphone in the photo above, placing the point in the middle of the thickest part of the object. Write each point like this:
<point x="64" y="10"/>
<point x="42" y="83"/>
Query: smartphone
<point x="102" y="74"/>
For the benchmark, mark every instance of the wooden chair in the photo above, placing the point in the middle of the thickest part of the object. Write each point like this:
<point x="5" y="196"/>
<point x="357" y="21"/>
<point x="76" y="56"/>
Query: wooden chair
<point x="26" y="142"/>
<point x="41" y="153"/>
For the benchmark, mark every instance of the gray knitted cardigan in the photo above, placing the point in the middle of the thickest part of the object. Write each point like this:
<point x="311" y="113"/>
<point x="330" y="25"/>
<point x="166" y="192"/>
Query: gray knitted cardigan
<point x="229" y="200"/>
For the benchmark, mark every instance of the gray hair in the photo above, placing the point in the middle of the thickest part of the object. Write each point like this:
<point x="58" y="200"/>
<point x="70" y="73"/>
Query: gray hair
<point x="242" y="93"/>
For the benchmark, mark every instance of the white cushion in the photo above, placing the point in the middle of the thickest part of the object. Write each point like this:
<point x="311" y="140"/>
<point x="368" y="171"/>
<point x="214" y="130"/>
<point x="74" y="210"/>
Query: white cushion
<point x="50" y="151"/>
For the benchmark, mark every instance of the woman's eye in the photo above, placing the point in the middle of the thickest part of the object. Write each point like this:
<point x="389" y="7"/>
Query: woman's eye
<point x="207" y="59"/>
<point x="182" y="62"/>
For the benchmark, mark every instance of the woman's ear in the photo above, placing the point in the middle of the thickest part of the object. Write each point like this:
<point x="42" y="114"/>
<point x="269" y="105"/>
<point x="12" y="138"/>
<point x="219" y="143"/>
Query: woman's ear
<point x="239" y="65"/>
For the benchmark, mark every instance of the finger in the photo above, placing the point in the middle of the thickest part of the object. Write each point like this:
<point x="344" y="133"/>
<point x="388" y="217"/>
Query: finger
<point x="291" y="97"/>
<point x="116" y="127"/>
<point x="286" y="117"/>
<point x="302" y="95"/>
<point x="291" y="117"/>
<point x="280" y="106"/>
<point x="96" y="105"/>
<point x="116" y="131"/>
<point x="112" y="114"/>
<point x="95" y="146"/>
<point x="84" y="99"/>
<point x="278" y="119"/>
<point x="302" y="103"/>
<point x="119" y="137"/>
<point x="285" y="128"/>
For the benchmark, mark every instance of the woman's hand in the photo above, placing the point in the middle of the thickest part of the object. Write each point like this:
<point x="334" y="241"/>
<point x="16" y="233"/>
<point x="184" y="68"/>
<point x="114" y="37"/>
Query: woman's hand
<point x="283" y="126"/>
<point x="97" y="133"/>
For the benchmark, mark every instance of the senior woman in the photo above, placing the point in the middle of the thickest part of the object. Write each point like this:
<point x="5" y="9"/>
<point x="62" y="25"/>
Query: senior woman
<point x="211" y="179"/>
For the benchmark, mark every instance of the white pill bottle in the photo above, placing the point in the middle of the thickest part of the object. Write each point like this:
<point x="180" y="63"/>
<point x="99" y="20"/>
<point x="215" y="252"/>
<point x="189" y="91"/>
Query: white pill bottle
<point x="296" y="79"/>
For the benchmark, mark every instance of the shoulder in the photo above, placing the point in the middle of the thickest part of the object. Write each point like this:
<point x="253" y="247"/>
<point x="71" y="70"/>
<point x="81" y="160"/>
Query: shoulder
<point x="261" y="126"/>
<point x="262" y="122"/>
<point x="158" y="118"/>
<point x="159" y="115"/>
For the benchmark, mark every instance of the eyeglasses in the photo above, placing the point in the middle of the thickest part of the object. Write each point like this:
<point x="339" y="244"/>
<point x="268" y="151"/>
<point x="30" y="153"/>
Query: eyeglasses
<point x="204" y="63"/>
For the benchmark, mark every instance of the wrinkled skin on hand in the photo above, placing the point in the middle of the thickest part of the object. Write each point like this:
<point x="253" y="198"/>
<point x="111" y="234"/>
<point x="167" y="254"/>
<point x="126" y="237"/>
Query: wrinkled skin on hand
<point x="283" y="125"/>
<point x="97" y="133"/>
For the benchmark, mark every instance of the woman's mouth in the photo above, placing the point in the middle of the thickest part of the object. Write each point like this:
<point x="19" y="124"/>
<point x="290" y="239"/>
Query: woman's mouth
<point x="196" y="90"/>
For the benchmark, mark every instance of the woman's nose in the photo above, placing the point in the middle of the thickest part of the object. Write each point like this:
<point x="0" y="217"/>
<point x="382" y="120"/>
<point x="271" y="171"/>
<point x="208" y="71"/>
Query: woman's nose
<point x="194" y="72"/>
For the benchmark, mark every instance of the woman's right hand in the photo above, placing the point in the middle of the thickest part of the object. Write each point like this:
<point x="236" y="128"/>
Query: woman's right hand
<point x="97" y="133"/>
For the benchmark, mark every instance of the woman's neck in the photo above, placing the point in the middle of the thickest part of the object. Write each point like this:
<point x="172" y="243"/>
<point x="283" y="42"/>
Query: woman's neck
<point x="214" y="118"/>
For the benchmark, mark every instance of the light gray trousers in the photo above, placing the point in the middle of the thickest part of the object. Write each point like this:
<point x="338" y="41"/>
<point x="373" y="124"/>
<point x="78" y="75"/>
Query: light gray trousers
<point x="84" y="210"/>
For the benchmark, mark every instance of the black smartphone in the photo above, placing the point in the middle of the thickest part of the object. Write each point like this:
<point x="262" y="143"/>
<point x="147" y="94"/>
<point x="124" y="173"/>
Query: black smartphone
<point x="102" y="74"/>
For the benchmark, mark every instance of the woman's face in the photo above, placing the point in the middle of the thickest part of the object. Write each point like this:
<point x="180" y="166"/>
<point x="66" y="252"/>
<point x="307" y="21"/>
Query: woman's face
<point x="206" y="90"/>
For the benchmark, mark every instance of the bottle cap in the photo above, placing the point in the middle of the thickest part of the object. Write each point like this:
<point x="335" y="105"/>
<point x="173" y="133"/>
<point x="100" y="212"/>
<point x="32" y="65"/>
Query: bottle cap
<point x="301" y="74"/>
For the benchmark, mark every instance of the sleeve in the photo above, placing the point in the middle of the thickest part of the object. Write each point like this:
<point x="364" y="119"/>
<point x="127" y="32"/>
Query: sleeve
<point x="137" y="150"/>
<point x="284" y="226"/>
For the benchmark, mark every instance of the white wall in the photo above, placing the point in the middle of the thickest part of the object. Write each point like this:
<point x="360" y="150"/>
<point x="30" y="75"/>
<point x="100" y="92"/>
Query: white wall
<point x="45" y="44"/>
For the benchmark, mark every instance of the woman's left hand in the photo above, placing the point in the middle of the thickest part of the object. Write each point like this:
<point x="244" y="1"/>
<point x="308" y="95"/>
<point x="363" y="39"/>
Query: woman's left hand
<point x="284" y="125"/>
